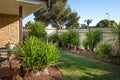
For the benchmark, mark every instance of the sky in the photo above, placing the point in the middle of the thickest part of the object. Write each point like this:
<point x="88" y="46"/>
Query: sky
<point x="91" y="9"/>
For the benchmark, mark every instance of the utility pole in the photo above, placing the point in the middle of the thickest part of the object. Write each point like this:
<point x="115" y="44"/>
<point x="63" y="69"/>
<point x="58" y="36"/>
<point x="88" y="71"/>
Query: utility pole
<point x="108" y="18"/>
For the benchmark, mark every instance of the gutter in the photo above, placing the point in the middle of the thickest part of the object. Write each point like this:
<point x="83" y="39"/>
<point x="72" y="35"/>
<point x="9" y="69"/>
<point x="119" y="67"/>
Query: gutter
<point x="33" y="1"/>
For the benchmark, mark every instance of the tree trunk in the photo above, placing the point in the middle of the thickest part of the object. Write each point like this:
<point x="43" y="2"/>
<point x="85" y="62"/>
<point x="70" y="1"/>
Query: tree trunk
<point x="57" y="31"/>
<point x="89" y="29"/>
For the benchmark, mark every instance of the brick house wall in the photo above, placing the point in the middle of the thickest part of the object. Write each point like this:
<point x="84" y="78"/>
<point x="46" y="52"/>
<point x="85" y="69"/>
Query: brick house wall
<point x="9" y="29"/>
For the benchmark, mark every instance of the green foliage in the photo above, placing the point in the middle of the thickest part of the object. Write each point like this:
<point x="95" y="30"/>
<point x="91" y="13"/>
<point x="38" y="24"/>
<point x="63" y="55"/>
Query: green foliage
<point x="73" y="38"/>
<point x="70" y="37"/>
<point x="116" y="39"/>
<point x="88" y="21"/>
<point x="37" y="54"/>
<point x="51" y="54"/>
<point x="85" y="44"/>
<point x="38" y="30"/>
<point x="58" y="16"/>
<point x="113" y="23"/>
<point x="64" y="38"/>
<point x="106" y="23"/>
<point x="93" y="37"/>
<point x="104" y="50"/>
<point x="28" y="24"/>
<point x="54" y="38"/>
<point x="116" y="59"/>
<point x="72" y="21"/>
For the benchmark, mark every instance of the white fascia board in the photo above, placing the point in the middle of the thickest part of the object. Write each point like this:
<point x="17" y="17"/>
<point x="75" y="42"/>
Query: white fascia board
<point x="33" y="1"/>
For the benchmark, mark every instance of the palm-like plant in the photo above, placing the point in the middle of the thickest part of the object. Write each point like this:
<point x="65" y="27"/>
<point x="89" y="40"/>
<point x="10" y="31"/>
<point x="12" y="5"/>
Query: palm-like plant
<point x="38" y="30"/>
<point x="88" y="21"/>
<point x="104" y="50"/>
<point x="70" y="39"/>
<point x="37" y="54"/>
<point x="116" y="40"/>
<point x="73" y="38"/>
<point x="93" y="38"/>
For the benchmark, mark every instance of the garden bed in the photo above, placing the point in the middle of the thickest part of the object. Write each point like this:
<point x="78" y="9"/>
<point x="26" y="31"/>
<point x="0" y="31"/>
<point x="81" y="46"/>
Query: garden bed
<point x="5" y="74"/>
<point x="88" y="54"/>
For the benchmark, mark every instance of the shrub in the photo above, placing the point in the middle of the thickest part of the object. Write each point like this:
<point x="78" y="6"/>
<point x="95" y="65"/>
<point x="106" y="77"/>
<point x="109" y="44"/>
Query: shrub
<point x="85" y="44"/>
<point x="38" y="30"/>
<point x="37" y="54"/>
<point x="54" y="38"/>
<point x="64" y="38"/>
<point x="116" y="39"/>
<point x="70" y="38"/>
<point x="116" y="59"/>
<point x="104" y="50"/>
<point x="93" y="37"/>
<point x="73" y="38"/>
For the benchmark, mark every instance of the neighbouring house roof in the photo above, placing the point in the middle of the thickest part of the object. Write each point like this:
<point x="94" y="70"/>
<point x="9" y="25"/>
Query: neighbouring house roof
<point x="12" y="6"/>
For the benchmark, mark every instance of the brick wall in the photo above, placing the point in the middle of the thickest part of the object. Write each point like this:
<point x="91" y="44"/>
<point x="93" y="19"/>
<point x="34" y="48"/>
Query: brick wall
<point x="9" y="29"/>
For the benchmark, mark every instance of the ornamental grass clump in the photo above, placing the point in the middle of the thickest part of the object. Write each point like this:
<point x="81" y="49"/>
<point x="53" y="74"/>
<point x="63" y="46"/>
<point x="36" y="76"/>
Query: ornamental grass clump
<point x="104" y="50"/>
<point x="38" y="30"/>
<point x="70" y="39"/>
<point x="92" y="39"/>
<point x="37" y="54"/>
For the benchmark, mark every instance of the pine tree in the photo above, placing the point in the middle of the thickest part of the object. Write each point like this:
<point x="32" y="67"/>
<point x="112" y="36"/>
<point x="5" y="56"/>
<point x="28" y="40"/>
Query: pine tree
<point x="58" y="16"/>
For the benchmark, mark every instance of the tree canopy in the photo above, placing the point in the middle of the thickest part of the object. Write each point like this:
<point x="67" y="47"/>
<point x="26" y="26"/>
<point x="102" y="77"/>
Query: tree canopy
<point x="106" y="23"/>
<point x="29" y="23"/>
<point x="88" y="21"/>
<point x="59" y="15"/>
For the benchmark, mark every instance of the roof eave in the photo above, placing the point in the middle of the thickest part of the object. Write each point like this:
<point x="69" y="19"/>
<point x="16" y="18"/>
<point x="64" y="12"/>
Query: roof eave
<point x="41" y="2"/>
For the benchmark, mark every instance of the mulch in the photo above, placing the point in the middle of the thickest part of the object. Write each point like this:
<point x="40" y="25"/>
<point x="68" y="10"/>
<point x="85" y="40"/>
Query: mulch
<point x="13" y="74"/>
<point x="88" y="54"/>
<point x="5" y="72"/>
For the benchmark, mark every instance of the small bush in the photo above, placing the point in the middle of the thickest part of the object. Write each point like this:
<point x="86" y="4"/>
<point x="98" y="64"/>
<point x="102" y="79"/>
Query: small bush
<point x="37" y="54"/>
<point x="85" y="44"/>
<point x="70" y="39"/>
<point x="73" y="38"/>
<point x="38" y="30"/>
<point x="64" y="39"/>
<point x="54" y="38"/>
<point x="116" y="59"/>
<point x="104" y="50"/>
<point x="93" y="37"/>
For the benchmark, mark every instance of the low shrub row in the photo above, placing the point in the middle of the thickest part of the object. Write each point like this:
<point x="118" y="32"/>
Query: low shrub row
<point x="68" y="39"/>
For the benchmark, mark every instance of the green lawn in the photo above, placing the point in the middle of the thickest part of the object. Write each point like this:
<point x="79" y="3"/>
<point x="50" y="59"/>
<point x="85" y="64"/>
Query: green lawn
<point x="77" y="68"/>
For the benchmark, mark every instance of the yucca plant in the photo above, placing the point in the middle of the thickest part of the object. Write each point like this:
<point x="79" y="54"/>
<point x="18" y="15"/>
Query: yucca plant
<point x="73" y="38"/>
<point x="64" y="38"/>
<point x="51" y="54"/>
<point x="116" y="39"/>
<point x="38" y="30"/>
<point x="70" y="38"/>
<point x="104" y="50"/>
<point x="36" y="54"/>
<point x="54" y="38"/>
<point x="93" y="37"/>
<point x="85" y="44"/>
<point x="29" y="52"/>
